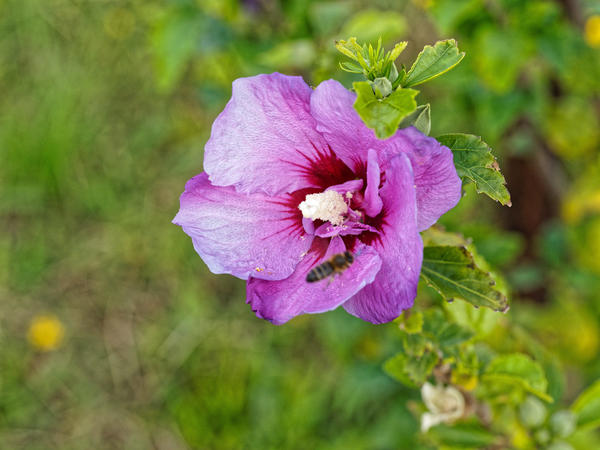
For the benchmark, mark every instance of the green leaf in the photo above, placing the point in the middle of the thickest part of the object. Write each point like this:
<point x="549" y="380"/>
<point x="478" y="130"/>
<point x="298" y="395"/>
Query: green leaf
<point x="433" y="61"/>
<point x="350" y="48"/>
<point x="451" y="335"/>
<point x="587" y="407"/>
<point x="350" y="67"/>
<point x="397" y="50"/>
<point x="410" y="322"/>
<point x="442" y="332"/>
<point x="436" y="235"/>
<point x="483" y="321"/>
<point x="462" y="435"/>
<point x="475" y="163"/>
<point x="452" y="272"/>
<point x="383" y="115"/>
<point x="399" y="81"/>
<point x="410" y="370"/>
<point x="517" y="370"/>
<point x="420" y="118"/>
<point x="415" y="344"/>
<point x="395" y="367"/>
<point x="419" y="369"/>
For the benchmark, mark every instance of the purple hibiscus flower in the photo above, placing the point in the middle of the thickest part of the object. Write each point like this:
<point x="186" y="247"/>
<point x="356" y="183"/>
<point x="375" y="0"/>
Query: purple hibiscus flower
<point x="292" y="177"/>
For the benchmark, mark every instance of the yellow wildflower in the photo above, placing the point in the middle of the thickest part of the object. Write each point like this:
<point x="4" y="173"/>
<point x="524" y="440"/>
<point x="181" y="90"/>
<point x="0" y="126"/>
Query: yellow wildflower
<point x="45" y="332"/>
<point x="592" y="31"/>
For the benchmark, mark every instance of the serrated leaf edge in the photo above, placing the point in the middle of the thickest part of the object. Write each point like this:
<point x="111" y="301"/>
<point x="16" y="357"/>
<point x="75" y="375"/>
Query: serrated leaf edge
<point x="471" y="265"/>
<point x="491" y="165"/>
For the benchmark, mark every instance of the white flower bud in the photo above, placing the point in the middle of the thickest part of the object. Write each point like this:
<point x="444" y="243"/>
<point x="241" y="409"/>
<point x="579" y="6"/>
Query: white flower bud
<point x="445" y="404"/>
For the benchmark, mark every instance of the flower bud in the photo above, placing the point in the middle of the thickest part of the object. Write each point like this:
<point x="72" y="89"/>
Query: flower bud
<point x="445" y="404"/>
<point x="532" y="412"/>
<point x="542" y="436"/>
<point x="563" y="423"/>
<point x="382" y="87"/>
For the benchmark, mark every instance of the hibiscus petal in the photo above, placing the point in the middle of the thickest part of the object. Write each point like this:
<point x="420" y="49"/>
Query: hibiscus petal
<point x="245" y="235"/>
<point x="265" y="140"/>
<point x="348" y="186"/>
<point x="332" y="105"/>
<point x="308" y="225"/>
<point x="438" y="185"/>
<point x="372" y="203"/>
<point x="279" y="301"/>
<point x="400" y="247"/>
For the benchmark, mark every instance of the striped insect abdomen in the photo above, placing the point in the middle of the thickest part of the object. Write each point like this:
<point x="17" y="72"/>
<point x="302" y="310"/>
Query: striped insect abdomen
<point x="319" y="272"/>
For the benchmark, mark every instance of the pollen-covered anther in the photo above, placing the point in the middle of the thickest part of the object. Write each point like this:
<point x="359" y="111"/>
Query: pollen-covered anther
<point x="328" y="206"/>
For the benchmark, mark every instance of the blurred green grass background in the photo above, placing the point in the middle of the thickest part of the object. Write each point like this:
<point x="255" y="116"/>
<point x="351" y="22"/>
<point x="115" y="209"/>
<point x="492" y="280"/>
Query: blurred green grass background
<point x="104" y="112"/>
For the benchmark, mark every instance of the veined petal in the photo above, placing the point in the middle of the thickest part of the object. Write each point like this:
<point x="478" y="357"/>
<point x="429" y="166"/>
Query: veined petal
<point x="265" y="140"/>
<point x="279" y="301"/>
<point x="244" y="235"/>
<point x="400" y="247"/>
<point x="332" y="105"/>
<point x="438" y="185"/>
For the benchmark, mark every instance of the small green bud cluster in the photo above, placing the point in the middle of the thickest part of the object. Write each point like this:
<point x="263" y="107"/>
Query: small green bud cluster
<point x="374" y="63"/>
<point x="548" y="433"/>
